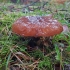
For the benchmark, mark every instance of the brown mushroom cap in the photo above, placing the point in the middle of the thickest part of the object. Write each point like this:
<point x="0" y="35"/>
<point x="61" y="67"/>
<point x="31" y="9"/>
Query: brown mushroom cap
<point x="58" y="1"/>
<point x="37" y="26"/>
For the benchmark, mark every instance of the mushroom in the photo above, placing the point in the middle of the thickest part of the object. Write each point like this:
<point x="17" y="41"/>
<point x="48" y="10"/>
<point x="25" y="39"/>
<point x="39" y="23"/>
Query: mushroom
<point x="37" y="27"/>
<point x="59" y="1"/>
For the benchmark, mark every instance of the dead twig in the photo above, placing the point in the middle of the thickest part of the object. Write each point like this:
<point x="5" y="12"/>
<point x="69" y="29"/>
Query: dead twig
<point x="53" y="52"/>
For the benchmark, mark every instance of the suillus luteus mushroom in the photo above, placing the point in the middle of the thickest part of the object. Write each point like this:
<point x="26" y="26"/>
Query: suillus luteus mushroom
<point x="36" y="27"/>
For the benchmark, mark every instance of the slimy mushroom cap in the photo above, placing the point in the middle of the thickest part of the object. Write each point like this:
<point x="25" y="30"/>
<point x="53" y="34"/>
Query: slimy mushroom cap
<point x="37" y="26"/>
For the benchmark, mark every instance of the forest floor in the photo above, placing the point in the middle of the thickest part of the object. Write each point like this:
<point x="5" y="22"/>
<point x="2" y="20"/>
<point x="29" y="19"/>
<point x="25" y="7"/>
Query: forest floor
<point x="30" y="53"/>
